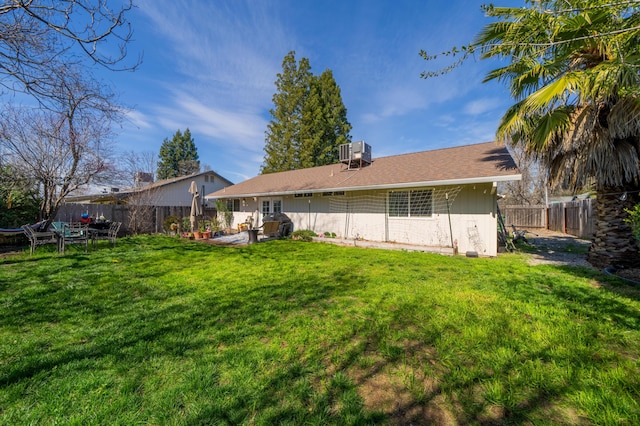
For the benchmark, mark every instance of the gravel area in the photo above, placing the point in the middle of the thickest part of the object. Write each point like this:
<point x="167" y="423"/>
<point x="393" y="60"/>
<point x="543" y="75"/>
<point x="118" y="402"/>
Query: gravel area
<point x="555" y="248"/>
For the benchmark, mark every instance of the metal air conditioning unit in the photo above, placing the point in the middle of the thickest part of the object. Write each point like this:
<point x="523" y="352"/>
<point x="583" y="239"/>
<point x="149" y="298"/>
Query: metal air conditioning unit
<point x="355" y="154"/>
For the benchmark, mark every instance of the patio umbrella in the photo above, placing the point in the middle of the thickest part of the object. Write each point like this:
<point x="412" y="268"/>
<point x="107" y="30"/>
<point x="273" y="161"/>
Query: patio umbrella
<point x="195" y="205"/>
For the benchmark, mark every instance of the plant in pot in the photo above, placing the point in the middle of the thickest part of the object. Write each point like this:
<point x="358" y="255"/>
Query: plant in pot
<point x="205" y="229"/>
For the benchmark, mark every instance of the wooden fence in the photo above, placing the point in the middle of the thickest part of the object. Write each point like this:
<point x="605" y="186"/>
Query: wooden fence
<point x="574" y="217"/>
<point x="135" y="219"/>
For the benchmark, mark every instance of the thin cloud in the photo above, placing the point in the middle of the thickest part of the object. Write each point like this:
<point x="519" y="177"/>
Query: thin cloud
<point x="138" y="119"/>
<point x="225" y="50"/>
<point x="481" y="106"/>
<point x="237" y="128"/>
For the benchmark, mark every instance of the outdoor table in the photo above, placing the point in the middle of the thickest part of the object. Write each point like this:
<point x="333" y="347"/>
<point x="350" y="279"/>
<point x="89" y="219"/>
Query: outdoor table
<point x="253" y="235"/>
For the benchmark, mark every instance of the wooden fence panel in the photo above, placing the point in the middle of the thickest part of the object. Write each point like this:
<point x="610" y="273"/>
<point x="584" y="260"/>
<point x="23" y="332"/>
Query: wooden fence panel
<point x="555" y="213"/>
<point x="525" y="216"/>
<point x="579" y="218"/>
<point x="574" y="217"/>
<point x="151" y="217"/>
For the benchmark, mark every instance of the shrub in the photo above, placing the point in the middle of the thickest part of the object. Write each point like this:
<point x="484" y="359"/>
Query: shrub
<point x="303" y="235"/>
<point x="168" y="221"/>
<point x="634" y="220"/>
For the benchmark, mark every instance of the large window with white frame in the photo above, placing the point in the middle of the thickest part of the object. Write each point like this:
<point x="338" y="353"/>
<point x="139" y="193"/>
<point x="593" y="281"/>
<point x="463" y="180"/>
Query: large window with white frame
<point x="414" y="203"/>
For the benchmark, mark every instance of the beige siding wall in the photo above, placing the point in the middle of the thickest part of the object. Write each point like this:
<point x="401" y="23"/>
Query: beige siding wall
<point x="473" y="219"/>
<point x="177" y="194"/>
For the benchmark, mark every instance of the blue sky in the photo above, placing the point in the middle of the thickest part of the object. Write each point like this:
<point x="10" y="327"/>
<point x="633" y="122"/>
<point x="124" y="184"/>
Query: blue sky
<point x="210" y="66"/>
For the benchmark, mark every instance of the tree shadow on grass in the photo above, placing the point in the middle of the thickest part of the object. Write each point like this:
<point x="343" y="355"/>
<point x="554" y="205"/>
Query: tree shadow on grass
<point x="385" y="353"/>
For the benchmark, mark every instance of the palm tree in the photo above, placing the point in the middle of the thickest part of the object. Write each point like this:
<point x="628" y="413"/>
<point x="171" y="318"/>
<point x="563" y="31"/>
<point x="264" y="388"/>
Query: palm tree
<point x="573" y="68"/>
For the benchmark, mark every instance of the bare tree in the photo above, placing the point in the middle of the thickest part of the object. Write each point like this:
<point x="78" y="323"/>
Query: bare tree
<point x="133" y="164"/>
<point x="41" y="38"/>
<point x="65" y="149"/>
<point x="141" y="212"/>
<point x="530" y="190"/>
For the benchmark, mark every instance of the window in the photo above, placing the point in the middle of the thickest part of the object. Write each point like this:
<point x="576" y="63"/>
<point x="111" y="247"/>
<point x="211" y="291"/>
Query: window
<point x="233" y="205"/>
<point x="417" y="203"/>
<point x="277" y="206"/>
<point x="266" y="207"/>
<point x="399" y="204"/>
<point x="421" y="203"/>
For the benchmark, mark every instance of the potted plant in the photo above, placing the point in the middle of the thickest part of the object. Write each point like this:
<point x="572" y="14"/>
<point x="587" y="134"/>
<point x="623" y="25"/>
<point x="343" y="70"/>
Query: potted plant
<point x="205" y="229"/>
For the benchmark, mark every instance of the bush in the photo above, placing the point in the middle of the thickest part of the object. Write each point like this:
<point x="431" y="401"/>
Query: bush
<point x="303" y="235"/>
<point x="166" y="223"/>
<point x="634" y="220"/>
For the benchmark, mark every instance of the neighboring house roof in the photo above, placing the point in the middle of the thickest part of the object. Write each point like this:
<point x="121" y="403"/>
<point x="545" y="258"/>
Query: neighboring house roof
<point x="484" y="162"/>
<point x="114" y="197"/>
<point x="165" y="182"/>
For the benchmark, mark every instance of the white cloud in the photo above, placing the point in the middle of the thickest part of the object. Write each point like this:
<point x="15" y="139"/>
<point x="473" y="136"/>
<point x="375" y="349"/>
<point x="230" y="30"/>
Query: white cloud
<point x="222" y="126"/>
<point x="138" y="119"/>
<point x="481" y="106"/>
<point x="226" y="51"/>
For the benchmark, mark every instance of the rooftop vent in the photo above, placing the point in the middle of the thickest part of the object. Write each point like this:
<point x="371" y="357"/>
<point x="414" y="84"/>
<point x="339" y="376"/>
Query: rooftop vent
<point x="356" y="154"/>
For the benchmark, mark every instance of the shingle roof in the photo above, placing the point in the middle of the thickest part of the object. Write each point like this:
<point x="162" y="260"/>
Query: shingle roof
<point x="127" y="192"/>
<point x="165" y="182"/>
<point x="484" y="162"/>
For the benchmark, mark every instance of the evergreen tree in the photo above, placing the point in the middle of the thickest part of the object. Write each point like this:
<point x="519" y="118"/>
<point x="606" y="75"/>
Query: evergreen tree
<point x="334" y="128"/>
<point x="309" y="120"/>
<point x="178" y="156"/>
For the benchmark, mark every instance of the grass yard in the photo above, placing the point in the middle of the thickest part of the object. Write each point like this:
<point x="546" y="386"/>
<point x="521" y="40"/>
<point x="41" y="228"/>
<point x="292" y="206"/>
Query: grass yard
<point x="167" y="331"/>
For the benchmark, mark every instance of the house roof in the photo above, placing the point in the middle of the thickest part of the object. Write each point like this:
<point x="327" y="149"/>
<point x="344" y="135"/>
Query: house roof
<point x="484" y="162"/>
<point x="165" y="182"/>
<point x="116" y="197"/>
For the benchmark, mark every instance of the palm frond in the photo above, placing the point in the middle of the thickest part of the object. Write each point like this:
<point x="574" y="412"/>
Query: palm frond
<point x="545" y="97"/>
<point x="624" y="118"/>
<point x="549" y="126"/>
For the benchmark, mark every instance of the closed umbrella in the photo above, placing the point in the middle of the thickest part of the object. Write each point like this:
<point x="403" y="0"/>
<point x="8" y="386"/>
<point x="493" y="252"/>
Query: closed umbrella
<point x="195" y="205"/>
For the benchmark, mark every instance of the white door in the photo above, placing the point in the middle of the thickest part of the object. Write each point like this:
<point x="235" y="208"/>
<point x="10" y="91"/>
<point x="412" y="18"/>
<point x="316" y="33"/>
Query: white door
<point x="269" y="206"/>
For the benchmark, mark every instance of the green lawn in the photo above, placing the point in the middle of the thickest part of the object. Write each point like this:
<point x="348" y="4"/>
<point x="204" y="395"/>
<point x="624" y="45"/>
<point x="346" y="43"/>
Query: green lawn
<point x="167" y="331"/>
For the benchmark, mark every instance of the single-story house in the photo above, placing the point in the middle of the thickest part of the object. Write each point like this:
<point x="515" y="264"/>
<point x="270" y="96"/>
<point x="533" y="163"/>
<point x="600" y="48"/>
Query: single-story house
<point x="172" y="192"/>
<point x="441" y="198"/>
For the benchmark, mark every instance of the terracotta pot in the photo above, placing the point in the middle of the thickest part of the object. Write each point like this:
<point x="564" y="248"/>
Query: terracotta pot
<point x="197" y="235"/>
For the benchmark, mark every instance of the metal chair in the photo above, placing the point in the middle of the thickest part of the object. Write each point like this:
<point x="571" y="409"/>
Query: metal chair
<point x="75" y="233"/>
<point x="38" y="238"/>
<point x="109" y="234"/>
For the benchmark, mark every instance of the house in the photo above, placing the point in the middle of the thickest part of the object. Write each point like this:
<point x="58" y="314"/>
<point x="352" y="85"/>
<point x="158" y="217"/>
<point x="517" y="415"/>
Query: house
<point x="172" y="192"/>
<point x="440" y="198"/>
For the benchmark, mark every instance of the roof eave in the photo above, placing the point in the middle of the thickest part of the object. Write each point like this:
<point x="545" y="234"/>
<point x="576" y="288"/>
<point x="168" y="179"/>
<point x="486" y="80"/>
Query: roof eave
<point x="465" y="181"/>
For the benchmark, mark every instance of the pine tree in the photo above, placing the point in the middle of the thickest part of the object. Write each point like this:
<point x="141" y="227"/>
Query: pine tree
<point x="178" y="156"/>
<point x="335" y="126"/>
<point x="309" y="120"/>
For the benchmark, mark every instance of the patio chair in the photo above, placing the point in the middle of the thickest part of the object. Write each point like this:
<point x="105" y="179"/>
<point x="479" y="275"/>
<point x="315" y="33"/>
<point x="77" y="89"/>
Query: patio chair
<point x="271" y="229"/>
<point x="38" y="238"/>
<point x="75" y="233"/>
<point x="109" y="234"/>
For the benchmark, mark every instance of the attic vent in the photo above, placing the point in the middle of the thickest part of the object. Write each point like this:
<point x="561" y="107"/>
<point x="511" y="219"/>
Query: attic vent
<point x="356" y="154"/>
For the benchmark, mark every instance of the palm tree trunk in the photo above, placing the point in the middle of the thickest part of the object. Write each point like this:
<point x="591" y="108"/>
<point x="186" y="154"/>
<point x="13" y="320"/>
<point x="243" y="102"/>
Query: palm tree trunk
<point x="614" y="243"/>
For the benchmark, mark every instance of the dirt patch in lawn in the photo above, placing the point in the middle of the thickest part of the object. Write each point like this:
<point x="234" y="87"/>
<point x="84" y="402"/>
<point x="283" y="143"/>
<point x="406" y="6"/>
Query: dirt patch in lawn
<point x="405" y="392"/>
